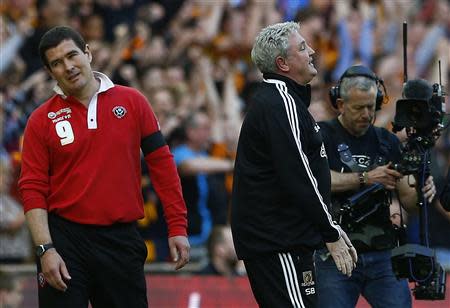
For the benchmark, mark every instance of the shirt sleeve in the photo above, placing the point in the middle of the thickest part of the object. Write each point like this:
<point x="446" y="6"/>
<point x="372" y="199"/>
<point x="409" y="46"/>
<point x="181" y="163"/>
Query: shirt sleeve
<point x="163" y="171"/>
<point x="34" y="177"/>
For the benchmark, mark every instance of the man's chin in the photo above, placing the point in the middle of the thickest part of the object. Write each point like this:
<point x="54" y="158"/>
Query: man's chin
<point x="363" y="130"/>
<point x="312" y="74"/>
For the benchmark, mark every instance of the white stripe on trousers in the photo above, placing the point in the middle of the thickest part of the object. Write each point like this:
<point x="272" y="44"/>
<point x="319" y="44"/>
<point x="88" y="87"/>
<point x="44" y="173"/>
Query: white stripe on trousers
<point x="290" y="277"/>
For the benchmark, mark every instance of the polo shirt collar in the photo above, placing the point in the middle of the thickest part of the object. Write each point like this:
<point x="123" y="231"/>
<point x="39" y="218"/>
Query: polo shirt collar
<point x="105" y="84"/>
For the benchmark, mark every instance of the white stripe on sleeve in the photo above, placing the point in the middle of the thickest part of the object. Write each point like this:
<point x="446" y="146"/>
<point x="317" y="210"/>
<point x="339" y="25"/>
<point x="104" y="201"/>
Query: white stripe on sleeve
<point x="291" y="111"/>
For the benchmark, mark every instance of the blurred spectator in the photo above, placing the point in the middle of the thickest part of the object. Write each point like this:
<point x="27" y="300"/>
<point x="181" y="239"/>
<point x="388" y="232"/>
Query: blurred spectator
<point x="202" y="191"/>
<point x="152" y="227"/>
<point x="92" y="28"/>
<point x="10" y="291"/>
<point x="15" y="241"/>
<point x="117" y="12"/>
<point x="19" y="105"/>
<point x="11" y="39"/>
<point x="355" y="31"/>
<point x="4" y="156"/>
<point x="222" y="255"/>
<point x="50" y="13"/>
<point x="163" y="103"/>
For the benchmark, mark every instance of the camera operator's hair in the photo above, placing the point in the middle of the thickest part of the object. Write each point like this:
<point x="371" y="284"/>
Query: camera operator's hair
<point x="55" y="36"/>
<point x="361" y="83"/>
<point x="271" y="42"/>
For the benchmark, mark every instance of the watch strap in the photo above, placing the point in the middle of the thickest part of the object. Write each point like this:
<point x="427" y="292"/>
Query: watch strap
<point x="363" y="178"/>
<point x="41" y="249"/>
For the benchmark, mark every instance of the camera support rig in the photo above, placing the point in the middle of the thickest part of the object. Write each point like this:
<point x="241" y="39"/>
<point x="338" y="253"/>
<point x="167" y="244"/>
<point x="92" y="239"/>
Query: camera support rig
<point x="422" y="119"/>
<point x="418" y="262"/>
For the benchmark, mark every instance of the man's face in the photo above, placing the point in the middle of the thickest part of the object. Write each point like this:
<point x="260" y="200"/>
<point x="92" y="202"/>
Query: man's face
<point x="70" y="67"/>
<point x="299" y="60"/>
<point x="358" y="111"/>
<point x="200" y="134"/>
<point x="163" y="102"/>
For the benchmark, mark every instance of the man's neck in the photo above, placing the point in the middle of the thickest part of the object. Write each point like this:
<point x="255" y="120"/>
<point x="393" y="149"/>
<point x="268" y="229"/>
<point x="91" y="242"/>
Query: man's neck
<point x="86" y="95"/>
<point x="290" y="77"/>
<point x="348" y="128"/>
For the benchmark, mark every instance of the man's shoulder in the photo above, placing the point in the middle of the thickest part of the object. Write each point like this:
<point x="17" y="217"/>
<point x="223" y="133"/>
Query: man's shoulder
<point x="130" y="98"/>
<point x="265" y="91"/>
<point x="327" y="123"/>
<point x="48" y="107"/>
<point x="385" y="135"/>
<point x="265" y="99"/>
<point x="328" y="127"/>
<point x="124" y="90"/>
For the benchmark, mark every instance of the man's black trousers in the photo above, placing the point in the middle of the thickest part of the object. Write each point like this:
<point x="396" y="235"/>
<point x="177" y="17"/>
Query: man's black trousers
<point x="284" y="279"/>
<point x="106" y="264"/>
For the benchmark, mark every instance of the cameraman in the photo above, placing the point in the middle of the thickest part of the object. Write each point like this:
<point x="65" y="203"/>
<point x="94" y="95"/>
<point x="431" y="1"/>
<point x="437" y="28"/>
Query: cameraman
<point x="372" y="151"/>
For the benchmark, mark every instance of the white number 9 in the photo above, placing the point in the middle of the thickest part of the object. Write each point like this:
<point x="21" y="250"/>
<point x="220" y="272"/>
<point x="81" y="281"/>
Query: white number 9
<point x="65" y="132"/>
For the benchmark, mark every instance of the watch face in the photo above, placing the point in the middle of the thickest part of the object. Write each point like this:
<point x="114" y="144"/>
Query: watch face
<point x="40" y="250"/>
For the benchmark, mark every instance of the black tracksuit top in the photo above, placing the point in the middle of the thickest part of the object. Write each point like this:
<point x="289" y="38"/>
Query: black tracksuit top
<point x="282" y="183"/>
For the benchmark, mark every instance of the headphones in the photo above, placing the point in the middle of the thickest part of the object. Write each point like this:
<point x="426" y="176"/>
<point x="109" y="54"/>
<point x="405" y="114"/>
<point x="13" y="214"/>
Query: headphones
<point x="360" y="70"/>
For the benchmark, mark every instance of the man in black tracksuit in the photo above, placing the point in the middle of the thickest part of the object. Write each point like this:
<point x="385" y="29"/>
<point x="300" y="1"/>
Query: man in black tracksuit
<point x="282" y="180"/>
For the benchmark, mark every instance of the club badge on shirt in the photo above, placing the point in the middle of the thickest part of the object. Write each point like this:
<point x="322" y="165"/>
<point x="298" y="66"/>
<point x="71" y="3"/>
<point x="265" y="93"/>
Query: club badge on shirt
<point x="119" y="111"/>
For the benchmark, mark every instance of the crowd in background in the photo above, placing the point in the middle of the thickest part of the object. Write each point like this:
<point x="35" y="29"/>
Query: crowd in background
<point x="191" y="59"/>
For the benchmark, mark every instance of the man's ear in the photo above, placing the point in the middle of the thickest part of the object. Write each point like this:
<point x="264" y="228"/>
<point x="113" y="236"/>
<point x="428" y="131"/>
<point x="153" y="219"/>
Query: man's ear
<point x="49" y="71"/>
<point x="340" y="105"/>
<point x="281" y="64"/>
<point x="88" y="53"/>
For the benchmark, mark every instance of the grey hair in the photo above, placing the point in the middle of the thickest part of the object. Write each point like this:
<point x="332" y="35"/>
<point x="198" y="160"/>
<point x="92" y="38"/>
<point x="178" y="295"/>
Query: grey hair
<point x="361" y="83"/>
<point x="271" y="42"/>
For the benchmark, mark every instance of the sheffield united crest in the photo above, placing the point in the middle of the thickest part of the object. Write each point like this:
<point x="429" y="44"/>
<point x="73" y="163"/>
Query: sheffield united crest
<point x="119" y="111"/>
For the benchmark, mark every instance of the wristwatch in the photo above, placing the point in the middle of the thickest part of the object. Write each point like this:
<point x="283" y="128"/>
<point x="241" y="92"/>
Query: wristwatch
<point x="363" y="178"/>
<point x="41" y="249"/>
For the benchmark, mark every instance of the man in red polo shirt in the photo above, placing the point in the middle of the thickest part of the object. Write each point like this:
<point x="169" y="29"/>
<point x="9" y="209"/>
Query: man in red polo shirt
<point x="80" y="183"/>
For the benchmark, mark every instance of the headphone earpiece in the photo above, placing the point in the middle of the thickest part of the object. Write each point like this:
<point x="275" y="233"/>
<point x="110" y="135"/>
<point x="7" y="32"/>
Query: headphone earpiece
<point x="334" y="95"/>
<point x="360" y="70"/>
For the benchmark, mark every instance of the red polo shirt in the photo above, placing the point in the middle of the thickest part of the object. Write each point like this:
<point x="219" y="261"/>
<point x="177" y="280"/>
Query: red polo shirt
<point x="84" y="163"/>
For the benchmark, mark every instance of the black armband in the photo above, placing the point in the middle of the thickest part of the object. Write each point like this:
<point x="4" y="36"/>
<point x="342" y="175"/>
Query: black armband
<point x="152" y="142"/>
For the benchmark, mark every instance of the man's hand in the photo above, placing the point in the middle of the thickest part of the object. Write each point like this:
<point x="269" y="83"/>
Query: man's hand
<point x="179" y="250"/>
<point x="384" y="175"/>
<point x="351" y="249"/>
<point x="344" y="254"/>
<point x="55" y="270"/>
<point x="429" y="190"/>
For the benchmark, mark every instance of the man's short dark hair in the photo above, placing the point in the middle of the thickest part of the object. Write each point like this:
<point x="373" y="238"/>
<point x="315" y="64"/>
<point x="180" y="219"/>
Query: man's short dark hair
<point x="55" y="36"/>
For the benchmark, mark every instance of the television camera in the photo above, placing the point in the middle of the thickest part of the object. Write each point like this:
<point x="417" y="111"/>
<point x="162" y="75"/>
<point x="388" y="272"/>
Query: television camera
<point x="421" y="114"/>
